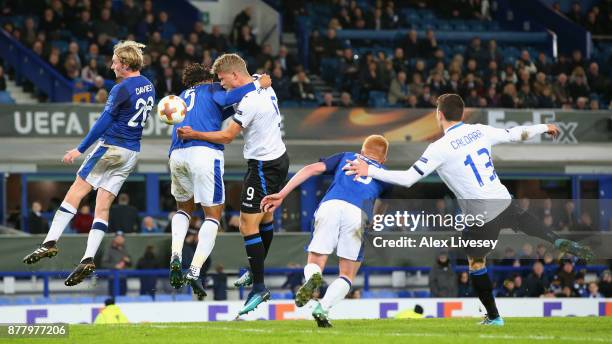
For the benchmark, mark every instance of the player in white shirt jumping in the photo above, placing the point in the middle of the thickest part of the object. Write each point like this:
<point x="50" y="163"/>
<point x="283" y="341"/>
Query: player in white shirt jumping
<point x="462" y="159"/>
<point x="258" y="117"/>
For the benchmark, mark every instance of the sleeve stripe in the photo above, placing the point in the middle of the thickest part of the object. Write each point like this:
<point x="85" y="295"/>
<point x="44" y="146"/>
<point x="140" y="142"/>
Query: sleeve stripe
<point x="418" y="170"/>
<point x="423" y="159"/>
<point x="236" y="120"/>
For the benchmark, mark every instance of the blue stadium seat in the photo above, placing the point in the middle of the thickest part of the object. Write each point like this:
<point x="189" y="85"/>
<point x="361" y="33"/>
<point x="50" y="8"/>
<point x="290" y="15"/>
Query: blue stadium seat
<point x="377" y="99"/>
<point x="183" y="297"/>
<point x="22" y="300"/>
<point x="4" y="301"/>
<point x="405" y="294"/>
<point x="5" y="98"/>
<point x="42" y="300"/>
<point x="163" y="298"/>
<point x="136" y="298"/>
<point x="422" y="293"/>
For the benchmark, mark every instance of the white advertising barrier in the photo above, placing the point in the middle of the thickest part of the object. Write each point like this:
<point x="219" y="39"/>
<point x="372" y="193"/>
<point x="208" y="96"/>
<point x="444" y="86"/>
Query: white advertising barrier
<point x="286" y="310"/>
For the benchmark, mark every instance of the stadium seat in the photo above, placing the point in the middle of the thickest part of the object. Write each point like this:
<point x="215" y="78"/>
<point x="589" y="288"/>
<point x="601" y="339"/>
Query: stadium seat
<point x="4" y="301"/>
<point x="377" y="99"/>
<point x="164" y="298"/>
<point x="22" y="300"/>
<point x="422" y="293"/>
<point x="42" y="300"/>
<point x="405" y="294"/>
<point x="183" y="297"/>
<point x="5" y="98"/>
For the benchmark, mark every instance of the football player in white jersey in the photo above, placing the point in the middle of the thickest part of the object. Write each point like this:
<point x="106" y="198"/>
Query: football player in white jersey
<point x="462" y="159"/>
<point x="259" y="119"/>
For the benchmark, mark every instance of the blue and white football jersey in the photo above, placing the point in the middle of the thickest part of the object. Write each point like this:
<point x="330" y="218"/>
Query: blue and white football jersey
<point x="126" y="112"/>
<point x="207" y="108"/>
<point x="361" y="192"/>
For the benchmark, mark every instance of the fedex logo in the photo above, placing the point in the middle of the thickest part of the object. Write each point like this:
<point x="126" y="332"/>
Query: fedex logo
<point x="497" y="118"/>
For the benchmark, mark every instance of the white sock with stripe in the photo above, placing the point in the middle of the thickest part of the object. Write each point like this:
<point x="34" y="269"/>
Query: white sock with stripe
<point x="335" y="292"/>
<point x="180" y="225"/>
<point x="96" y="235"/>
<point x="311" y="269"/>
<point x="62" y="218"/>
<point x="206" y="243"/>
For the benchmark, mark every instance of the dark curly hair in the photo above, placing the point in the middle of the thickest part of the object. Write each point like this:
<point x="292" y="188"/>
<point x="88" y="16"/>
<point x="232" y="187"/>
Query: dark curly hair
<point x="196" y="73"/>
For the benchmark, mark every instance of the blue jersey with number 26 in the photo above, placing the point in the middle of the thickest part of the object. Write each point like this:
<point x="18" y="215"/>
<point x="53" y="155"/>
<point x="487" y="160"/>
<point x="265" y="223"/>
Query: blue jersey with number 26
<point x="361" y="192"/>
<point x="126" y="112"/>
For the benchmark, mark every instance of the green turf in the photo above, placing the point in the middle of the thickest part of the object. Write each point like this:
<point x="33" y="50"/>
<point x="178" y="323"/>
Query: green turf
<point x="420" y="331"/>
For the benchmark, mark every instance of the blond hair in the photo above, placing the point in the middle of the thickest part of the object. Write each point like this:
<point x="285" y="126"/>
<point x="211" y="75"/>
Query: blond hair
<point x="376" y="145"/>
<point x="228" y="63"/>
<point x="130" y="54"/>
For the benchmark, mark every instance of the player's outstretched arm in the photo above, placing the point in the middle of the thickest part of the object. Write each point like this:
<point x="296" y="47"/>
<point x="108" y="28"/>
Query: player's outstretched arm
<point x="225" y="98"/>
<point x="405" y="178"/>
<point x="271" y="202"/>
<point x="96" y="131"/>
<point x="221" y="137"/>
<point x="521" y="133"/>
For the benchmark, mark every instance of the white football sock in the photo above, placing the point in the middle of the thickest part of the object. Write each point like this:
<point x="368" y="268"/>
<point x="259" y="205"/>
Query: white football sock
<point x="311" y="269"/>
<point x="96" y="235"/>
<point x="62" y="217"/>
<point x="206" y="242"/>
<point x="180" y="225"/>
<point x="335" y="293"/>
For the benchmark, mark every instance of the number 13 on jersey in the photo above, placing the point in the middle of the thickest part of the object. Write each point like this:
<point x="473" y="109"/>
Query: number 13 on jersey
<point x="488" y="165"/>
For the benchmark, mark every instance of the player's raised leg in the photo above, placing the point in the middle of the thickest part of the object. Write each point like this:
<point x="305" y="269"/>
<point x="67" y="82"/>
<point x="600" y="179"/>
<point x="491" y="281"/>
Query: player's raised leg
<point x="481" y="282"/>
<point x="180" y="226"/>
<point x="336" y="291"/>
<point x="63" y="216"/>
<point x="531" y="225"/>
<point x="99" y="227"/>
<point x="206" y="243"/>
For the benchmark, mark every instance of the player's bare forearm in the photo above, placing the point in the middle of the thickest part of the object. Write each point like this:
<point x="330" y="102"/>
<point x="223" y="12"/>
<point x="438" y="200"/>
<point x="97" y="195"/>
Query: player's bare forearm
<point x="272" y="202"/>
<point x="213" y="136"/>
<point x="221" y="137"/>
<point x="301" y="176"/>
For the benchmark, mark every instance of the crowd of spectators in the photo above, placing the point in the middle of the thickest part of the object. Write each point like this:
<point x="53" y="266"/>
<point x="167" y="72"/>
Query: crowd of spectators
<point x="547" y="277"/>
<point x="76" y="37"/>
<point x="596" y="20"/>
<point x="419" y="69"/>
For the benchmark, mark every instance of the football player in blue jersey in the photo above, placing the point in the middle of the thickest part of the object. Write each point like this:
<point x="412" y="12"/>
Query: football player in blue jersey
<point x="196" y="167"/>
<point x="116" y="135"/>
<point x="339" y="222"/>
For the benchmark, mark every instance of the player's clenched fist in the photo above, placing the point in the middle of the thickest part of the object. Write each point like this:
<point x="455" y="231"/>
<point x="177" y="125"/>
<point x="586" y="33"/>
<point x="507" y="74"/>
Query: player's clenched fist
<point x="271" y="202"/>
<point x="185" y="133"/>
<point x="70" y="156"/>
<point x="356" y="167"/>
<point x="553" y="130"/>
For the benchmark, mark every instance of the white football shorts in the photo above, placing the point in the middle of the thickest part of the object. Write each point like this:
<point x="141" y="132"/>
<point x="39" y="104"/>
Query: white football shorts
<point x="108" y="167"/>
<point x="338" y="225"/>
<point x="197" y="172"/>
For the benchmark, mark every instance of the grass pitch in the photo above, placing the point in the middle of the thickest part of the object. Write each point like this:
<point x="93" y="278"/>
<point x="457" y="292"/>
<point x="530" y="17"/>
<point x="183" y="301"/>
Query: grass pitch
<point x="421" y="331"/>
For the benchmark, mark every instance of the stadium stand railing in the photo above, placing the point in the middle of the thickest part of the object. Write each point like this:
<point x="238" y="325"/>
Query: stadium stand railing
<point x="116" y="275"/>
<point x="31" y="67"/>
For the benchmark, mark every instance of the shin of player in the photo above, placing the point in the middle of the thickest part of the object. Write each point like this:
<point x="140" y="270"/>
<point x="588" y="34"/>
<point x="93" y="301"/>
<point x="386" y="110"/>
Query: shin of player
<point x="338" y="222"/>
